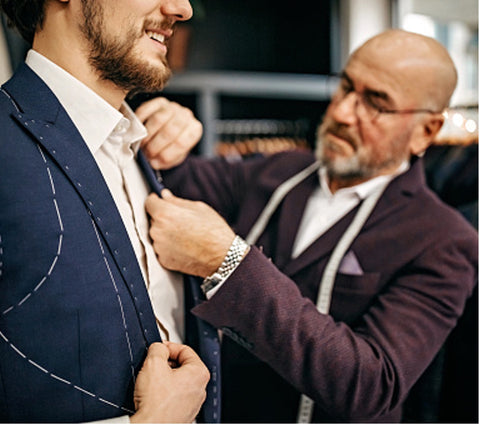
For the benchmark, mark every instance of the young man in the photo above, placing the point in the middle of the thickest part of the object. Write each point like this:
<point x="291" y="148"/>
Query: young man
<point x="360" y="271"/>
<point x="83" y="296"/>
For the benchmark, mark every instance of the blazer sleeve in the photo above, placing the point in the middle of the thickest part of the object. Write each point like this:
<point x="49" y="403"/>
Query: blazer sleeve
<point x="356" y="372"/>
<point x="215" y="182"/>
<point x="226" y="186"/>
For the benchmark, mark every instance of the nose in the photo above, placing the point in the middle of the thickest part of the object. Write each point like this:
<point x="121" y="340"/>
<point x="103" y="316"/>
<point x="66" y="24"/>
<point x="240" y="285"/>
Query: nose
<point x="344" y="110"/>
<point x="181" y="10"/>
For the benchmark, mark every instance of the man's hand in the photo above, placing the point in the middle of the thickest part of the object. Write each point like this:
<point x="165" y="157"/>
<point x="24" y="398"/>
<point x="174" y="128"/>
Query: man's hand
<point x="189" y="237"/>
<point x="166" y="393"/>
<point x="172" y="132"/>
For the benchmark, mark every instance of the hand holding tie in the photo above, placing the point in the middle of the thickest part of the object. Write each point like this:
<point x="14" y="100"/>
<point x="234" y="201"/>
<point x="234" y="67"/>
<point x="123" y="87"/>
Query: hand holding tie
<point x="188" y="236"/>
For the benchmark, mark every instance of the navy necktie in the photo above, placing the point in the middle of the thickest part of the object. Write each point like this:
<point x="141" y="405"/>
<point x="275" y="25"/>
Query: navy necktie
<point x="206" y="337"/>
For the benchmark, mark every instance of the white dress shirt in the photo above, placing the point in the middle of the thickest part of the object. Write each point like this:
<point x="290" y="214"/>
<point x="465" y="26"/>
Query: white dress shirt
<point x="324" y="209"/>
<point x="113" y="138"/>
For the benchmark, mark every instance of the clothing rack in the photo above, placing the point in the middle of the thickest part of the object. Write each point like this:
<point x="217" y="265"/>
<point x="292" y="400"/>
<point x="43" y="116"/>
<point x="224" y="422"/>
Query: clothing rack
<point x="210" y="87"/>
<point x="237" y="138"/>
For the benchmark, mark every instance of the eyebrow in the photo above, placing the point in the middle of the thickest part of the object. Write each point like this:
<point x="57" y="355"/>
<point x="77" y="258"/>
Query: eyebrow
<point x="380" y="94"/>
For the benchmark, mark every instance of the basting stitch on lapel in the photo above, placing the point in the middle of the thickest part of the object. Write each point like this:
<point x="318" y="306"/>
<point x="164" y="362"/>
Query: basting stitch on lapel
<point x="119" y="299"/>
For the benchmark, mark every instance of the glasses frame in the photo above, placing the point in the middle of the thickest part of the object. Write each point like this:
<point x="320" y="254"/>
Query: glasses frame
<point x="368" y="104"/>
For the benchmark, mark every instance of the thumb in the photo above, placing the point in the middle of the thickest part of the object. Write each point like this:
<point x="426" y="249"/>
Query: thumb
<point x="158" y="350"/>
<point x="152" y="203"/>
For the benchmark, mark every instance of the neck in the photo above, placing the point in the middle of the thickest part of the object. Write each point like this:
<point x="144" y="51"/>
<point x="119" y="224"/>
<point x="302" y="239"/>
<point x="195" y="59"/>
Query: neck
<point x="84" y="73"/>
<point x="62" y="43"/>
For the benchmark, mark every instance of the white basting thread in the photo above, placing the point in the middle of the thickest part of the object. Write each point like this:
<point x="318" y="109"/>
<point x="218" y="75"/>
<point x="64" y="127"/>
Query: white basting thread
<point x="59" y="245"/>
<point x="54" y="262"/>
<point x="112" y="279"/>
<point x="60" y="379"/>
<point x="10" y="98"/>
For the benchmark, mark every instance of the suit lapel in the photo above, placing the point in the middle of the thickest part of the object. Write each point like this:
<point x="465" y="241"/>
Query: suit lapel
<point x="290" y="215"/>
<point x="396" y="197"/>
<point x="321" y="247"/>
<point x="40" y="113"/>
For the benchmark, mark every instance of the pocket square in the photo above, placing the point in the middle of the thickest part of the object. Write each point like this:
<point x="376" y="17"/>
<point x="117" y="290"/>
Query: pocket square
<point x="350" y="265"/>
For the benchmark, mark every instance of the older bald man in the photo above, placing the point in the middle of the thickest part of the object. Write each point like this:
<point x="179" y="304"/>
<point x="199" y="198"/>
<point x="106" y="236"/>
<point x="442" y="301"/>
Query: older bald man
<point x="353" y="272"/>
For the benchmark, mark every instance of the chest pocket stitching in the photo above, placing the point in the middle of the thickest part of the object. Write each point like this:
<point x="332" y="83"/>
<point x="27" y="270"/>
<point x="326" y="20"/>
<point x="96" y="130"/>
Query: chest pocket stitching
<point x="59" y="245"/>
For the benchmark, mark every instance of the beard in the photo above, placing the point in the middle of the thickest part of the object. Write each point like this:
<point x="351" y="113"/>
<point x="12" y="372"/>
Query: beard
<point x="115" y="60"/>
<point x="364" y="163"/>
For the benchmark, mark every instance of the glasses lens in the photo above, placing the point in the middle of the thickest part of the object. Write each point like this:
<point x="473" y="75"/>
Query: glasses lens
<point x="369" y="109"/>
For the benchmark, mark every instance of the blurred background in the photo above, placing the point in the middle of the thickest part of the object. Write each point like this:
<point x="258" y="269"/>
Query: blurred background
<point x="259" y="74"/>
<point x="258" y="69"/>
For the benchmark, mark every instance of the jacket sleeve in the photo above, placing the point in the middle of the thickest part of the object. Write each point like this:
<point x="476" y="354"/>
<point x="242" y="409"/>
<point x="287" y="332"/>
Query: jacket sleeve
<point x="355" y="372"/>
<point x="220" y="184"/>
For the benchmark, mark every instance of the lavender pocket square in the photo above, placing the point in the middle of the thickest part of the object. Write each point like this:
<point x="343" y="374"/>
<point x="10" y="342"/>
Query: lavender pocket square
<point x="350" y="265"/>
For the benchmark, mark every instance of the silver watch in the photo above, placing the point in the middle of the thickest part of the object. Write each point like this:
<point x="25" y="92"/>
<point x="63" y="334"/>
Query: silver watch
<point x="234" y="256"/>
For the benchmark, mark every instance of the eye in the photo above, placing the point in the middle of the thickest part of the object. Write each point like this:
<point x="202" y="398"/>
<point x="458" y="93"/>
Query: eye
<point x="375" y="101"/>
<point x="345" y="86"/>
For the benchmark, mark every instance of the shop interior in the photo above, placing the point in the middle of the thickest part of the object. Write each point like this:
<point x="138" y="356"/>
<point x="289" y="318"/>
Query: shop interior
<point x="259" y="74"/>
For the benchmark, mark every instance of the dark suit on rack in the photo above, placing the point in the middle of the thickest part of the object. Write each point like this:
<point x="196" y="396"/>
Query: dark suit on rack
<point x="75" y="316"/>
<point x="399" y="291"/>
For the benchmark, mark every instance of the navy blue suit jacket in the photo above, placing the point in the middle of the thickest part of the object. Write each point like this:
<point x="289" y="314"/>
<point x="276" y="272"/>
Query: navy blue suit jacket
<point x="75" y="316"/>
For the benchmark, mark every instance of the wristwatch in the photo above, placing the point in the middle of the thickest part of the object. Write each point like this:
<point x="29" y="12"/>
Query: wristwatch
<point x="234" y="256"/>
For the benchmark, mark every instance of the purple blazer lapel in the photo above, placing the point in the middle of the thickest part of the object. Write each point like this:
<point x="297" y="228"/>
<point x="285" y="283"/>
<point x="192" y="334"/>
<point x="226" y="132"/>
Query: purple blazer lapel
<point x="396" y="197"/>
<point x="289" y="216"/>
<point x="321" y="247"/>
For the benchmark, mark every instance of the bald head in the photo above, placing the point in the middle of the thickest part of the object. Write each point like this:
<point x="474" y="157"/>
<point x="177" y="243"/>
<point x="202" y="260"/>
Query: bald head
<point x="423" y="66"/>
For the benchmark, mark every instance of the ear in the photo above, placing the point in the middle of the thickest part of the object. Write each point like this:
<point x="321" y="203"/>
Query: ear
<point x="425" y="133"/>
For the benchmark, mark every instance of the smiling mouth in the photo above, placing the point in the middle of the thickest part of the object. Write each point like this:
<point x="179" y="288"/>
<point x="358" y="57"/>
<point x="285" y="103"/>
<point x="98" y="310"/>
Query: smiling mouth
<point x="160" y="38"/>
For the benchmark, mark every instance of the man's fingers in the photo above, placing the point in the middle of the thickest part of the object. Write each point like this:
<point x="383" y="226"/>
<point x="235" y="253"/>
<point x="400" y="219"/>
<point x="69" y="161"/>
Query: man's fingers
<point x="154" y="203"/>
<point x="182" y="354"/>
<point x="185" y="356"/>
<point x="158" y="350"/>
<point x="147" y="109"/>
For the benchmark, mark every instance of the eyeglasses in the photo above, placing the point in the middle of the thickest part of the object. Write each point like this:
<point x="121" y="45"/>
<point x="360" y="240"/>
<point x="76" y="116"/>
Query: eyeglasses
<point x="370" y="103"/>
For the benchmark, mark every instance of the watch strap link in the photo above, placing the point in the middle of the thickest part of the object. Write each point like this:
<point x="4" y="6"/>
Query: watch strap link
<point x="234" y="256"/>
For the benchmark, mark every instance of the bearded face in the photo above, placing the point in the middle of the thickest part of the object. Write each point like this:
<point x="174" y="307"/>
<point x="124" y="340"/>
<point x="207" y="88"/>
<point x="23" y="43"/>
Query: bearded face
<point x="119" y="58"/>
<point x="352" y="158"/>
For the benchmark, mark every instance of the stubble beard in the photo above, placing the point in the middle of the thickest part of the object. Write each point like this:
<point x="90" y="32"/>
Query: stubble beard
<point x="116" y="60"/>
<point x="362" y="165"/>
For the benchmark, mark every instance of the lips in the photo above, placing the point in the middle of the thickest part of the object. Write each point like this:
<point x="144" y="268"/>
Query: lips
<point x="339" y="134"/>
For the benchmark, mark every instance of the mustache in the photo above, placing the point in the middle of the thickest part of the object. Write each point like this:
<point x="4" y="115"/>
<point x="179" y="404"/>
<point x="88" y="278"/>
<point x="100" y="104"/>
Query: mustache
<point x="164" y="24"/>
<point x="339" y="130"/>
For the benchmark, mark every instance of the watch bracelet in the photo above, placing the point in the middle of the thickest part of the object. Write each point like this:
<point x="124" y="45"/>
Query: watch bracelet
<point x="232" y="259"/>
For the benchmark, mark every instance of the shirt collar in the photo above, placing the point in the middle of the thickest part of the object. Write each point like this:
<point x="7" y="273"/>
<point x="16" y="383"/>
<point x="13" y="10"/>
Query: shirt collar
<point x="85" y="107"/>
<point x="364" y="189"/>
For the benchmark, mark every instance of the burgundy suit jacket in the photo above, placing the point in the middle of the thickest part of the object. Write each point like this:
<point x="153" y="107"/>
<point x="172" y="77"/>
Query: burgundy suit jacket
<point x="416" y="265"/>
